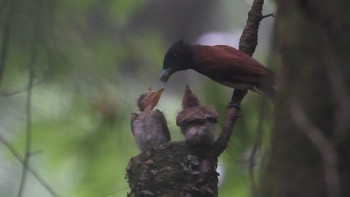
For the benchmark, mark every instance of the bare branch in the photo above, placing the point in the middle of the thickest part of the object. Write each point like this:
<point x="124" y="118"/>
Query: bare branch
<point x="115" y="191"/>
<point x="34" y="50"/>
<point x="8" y="94"/>
<point x="247" y="44"/>
<point x="6" y="36"/>
<point x="249" y="38"/>
<point x="324" y="146"/>
<point x="28" y="126"/>
<point x="30" y="169"/>
<point x="268" y="15"/>
<point x="232" y="114"/>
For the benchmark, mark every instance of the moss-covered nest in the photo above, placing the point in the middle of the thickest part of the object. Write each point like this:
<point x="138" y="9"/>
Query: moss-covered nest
<point x="173" y="169"/>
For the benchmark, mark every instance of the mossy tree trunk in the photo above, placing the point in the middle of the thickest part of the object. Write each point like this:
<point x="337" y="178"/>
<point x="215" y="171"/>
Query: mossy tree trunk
<point x="310" y="154"/>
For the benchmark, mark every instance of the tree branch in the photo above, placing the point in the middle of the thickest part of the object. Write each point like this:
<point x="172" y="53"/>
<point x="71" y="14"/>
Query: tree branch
<point x="25" y="89"/>
<point x="247" y="44"/>
<point x="232" y="114"/>
<point x="115" y="191"/>
<point x="30" y="169"/>
<point x="34" y="50"/>
<point x="249" y="38"/>
<point x="28" y="125"/>
<point x="6" y="36"/>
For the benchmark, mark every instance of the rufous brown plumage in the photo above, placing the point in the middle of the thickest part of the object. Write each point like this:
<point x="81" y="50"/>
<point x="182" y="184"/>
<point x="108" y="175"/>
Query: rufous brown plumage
<point x="223" y="64"/>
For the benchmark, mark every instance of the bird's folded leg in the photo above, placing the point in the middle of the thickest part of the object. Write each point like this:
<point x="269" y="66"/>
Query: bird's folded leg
<point x="237" y="98"/>
<point x="234" y="105"/>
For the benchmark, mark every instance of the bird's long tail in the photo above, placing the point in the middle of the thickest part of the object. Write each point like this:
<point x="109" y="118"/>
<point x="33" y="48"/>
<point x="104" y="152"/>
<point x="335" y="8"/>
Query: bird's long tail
<point x="266" y="91"/>
<point x="267" y="87"/>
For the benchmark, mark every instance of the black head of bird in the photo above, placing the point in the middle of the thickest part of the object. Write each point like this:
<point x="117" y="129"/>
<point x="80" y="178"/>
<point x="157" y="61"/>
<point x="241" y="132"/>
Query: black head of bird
<point x="179" y="57"/>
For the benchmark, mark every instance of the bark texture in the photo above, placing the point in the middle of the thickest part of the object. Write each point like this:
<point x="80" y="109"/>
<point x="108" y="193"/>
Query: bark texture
<point x="310" y="153"/>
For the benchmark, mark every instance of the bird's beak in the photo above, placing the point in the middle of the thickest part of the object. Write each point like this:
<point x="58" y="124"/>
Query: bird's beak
<point x="165" y="74"/>
<point x="158" y="94"/>
<point x="155" y="96"/>
<point x="187" y="89"/>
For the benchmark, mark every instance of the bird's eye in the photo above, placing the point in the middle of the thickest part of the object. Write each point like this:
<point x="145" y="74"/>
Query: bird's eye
<point x="175" y="54"/>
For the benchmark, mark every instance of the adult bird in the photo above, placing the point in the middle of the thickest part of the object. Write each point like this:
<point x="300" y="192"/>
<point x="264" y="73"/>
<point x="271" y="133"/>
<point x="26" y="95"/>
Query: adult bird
<point x="197" y="122"/>
<point x="149" y="126"/>
<point x="223" y="64"/>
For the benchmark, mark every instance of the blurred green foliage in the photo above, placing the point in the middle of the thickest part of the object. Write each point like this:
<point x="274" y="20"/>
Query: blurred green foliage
<point x="94" y="58"/>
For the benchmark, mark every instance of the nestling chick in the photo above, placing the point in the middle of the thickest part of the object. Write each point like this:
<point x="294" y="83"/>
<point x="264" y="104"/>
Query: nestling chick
<point x="197" y="122"/>
<point x="149" y="126"/>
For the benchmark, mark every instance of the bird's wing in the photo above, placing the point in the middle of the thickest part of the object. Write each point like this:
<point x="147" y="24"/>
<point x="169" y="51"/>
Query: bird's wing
<point x="193" y="114"/>
<point x="210" y="114"/>
<point x="163" y="122"/>
<point x="225" y="63"/>
<point x="237" y="57"/>
<point x="133" y="118"/>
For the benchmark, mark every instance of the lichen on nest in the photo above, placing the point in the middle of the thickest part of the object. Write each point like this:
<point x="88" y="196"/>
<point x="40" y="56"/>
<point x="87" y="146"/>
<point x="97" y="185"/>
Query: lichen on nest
<point x="173" y="169"/>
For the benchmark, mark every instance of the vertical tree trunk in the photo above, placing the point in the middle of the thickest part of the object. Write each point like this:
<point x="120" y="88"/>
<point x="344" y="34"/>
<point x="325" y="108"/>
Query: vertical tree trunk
<point x="311" y="141"/>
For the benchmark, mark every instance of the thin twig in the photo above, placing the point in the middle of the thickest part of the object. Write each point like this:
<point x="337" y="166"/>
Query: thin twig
<point x="30" y="169"/>
<point x="4" y="56"/>
<point x="115" y="191"/>
<point x="15" y="92"/>
<point x="31" y="77"/>
<point x="6" y="37"/>
<point x="324" y="146"/>
<point x="28" y="127"/>
<point x="268" y="15"/>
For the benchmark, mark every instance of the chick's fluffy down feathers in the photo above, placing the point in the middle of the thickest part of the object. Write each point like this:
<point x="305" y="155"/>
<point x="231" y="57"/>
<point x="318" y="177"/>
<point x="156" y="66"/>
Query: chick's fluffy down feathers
<point x="196" y="114"/>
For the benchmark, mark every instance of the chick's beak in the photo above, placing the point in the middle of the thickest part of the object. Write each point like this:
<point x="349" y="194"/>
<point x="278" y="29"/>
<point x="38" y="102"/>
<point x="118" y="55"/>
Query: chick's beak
<point x="165" y="74"/>
<point x="154" y="96"/>
<point x="158" y="94"/>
